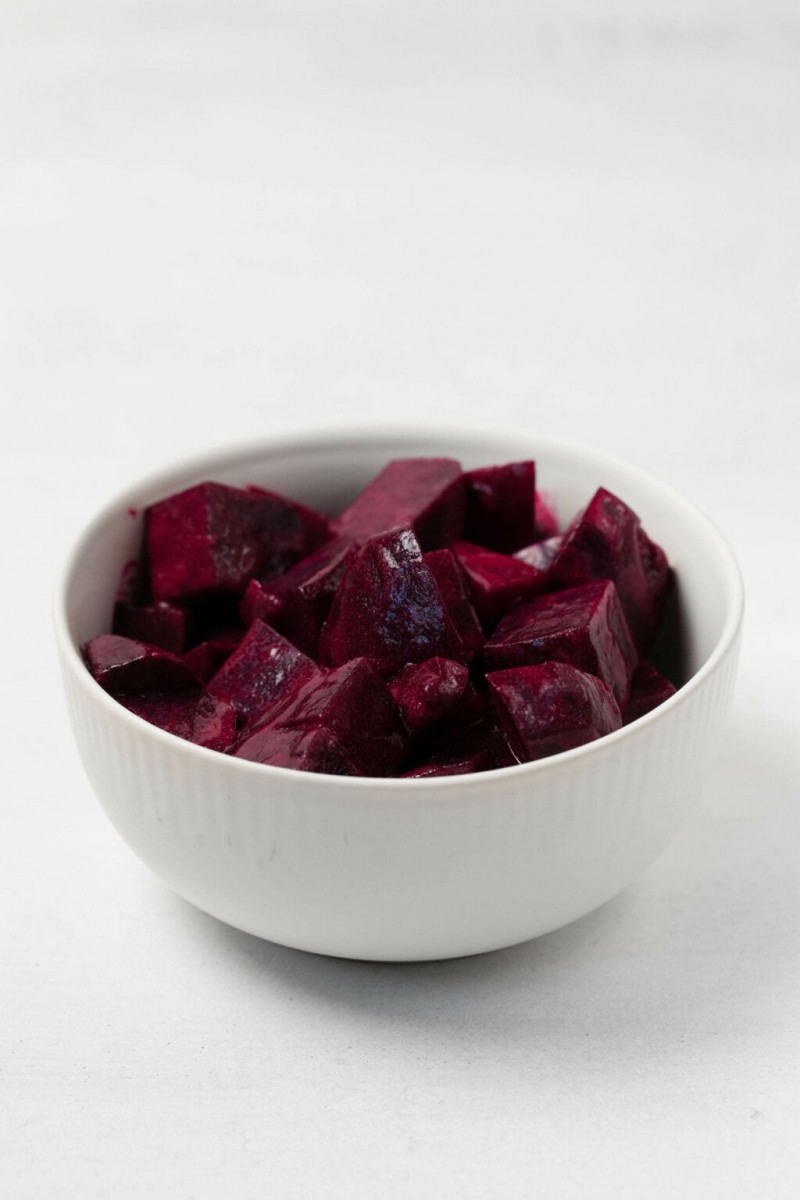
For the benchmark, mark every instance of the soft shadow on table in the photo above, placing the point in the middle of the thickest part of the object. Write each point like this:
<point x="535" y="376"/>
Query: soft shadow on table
<point x="715" y="917"/>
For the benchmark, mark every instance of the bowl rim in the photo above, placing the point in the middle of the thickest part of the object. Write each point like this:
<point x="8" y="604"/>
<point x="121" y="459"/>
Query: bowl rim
<point x="364" y="434"/>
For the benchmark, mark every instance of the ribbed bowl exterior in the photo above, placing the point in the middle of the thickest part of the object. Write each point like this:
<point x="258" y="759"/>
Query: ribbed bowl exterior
<point x="400" y="869"/>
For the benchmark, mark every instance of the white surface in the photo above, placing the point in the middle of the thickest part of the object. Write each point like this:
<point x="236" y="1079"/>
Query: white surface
<point x="220" y="219"/>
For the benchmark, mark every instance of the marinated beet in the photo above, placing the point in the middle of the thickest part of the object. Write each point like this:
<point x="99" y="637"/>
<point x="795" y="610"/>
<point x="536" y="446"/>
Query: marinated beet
<point x="552" y="707"/>
<point x="459" y="749"/>
<point x="430" y="691"/>
<point x="453" y="589"/>
<point x="497" y="582"/>
<point x="194" y="716"/>
<point x="206" y="658"/>
<point x="546" y="519"/>
<point x="541" y="554"/>
<point x="214" y="538"/>
<point x="649" y="688"/>
<point x="388" y="608"/>
<point x="607" y="542"/>
<point x="583" y="626"/>
<point x="264" y="670"/>
<point x="124" y="666"/>
<point x="500" y="506"/>
<point x="425" y="493"/>
<point x="340" y="722"/>
<point x="162" y="624"/>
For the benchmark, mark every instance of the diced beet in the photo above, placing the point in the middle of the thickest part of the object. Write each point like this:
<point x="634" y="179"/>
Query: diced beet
<point x="161" y="624"/>
<point x="607" y="541"/>
<point x="340" y="722"/>
<point x="583" y="626"/>
<point x="214" y="538"/>
<point x="429" y="691"/>
<point x="194" y="716"/>
<point x="551" y="707"/>
<point x="497" y="582"/>
<point x="297" y="603"/>
<point x="425" y="493"/>
<point x="479" y="745"/>
<point x="546" y="519"/>
<point x="263" y="670"/>
<point x="207" y="658"/>
<point x="649" y="688"/>
<point x="452" y="584"/>
<point x="388" y="608"/>
<point x="133" y="586"/>
<point x="500" y="511"/>
<point x="124" y="666"/>
<point x="541" y="554"/>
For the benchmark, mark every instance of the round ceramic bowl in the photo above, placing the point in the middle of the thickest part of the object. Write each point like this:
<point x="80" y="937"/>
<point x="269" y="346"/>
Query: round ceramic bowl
<point x="404" y="869"/>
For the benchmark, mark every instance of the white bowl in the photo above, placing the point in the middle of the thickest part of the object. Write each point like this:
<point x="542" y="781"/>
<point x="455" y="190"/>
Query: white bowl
<point x="400" y="869"/>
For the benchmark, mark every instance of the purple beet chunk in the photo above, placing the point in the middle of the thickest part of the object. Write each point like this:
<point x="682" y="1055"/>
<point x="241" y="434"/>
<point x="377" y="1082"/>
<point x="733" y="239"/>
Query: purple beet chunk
<point x="430" y="691"/>
<point x="607" y="541"/>
<point x="649" y="688"/>
<point x="497" y="582"/>
<point x="452" y="584"/>
<point x="425" y="493"/>
<point x="263" y="670"/>
<point x="460" y="749"/>
<point x="194" y="716"/>
<point x="123" y="666"/>
<point x="207" y="658"/>
<point x="546" y="519"/>
<point x="541" y="554"/>
<point x="388" y="608"/>
<point x="161" y="624"/>
<point x="213" y="538"/>
<point x="500" y="511"/>
<point x="551" y="707"/>
<point x="259" y="604"/>
<point x="340" y="722"/>
<point x="583" y="626"/>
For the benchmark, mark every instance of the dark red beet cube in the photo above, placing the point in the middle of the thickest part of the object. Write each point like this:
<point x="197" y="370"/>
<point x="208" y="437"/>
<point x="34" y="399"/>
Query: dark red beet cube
<point x="546" y="519"/>
<point x="479" y="745"/>
<point x="340" y="722"/>
<point x="649" y="688"/>
<point x="429" y="691"/>
<point x="425" y="493"/>
<point x="497" y="582"/>
<point x="124" y="666"/>
<point x="551" y="707"/>
<point x="541" y="554"/>
<point x="583" y="626"/>
<point x="263" y="670"/>
<point x="500" y="513"/>
<point x="162" y="624"/>
<point x="388" y="608"/>
<point x="214" y="538"/>
<point x="194" y="716"/>
<point x="206" y="658"/>
<point x="453" y="589"/>
<point x="607" y="542"/>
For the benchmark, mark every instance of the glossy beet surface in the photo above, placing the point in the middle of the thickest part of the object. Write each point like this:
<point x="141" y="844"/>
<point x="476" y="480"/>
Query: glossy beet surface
<point x="454" y="591"/>
<point x="263" y="670"/>
<point x="500" y="506"/>
<point x="497" y="582"/>
<point x="430" y="691"/>
<point x="194" y="716"/>
<point x="124" y="666"/>
<point x="162" y="624"/>
<point x="425" y="493"/>
<point x="649" y="688"/>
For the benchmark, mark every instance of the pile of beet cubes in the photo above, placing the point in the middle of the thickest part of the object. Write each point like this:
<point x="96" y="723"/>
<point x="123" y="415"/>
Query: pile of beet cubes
<point x="440" y="625"/>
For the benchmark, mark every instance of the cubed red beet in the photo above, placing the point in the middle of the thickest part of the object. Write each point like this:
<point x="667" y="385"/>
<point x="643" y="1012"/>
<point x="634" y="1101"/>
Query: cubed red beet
<point x="497" y="582"/>
<point x="214" y="538"/>
<point x="430" y="691"/>
<point x="546" y="519"/>
<point x="478" y="745"/>
<point x="340" y="722"/>
<point x="607" y="541"/>
<point x="649" y="688"/>
<point x="206" y="658"/>
<point x="161" y="624"/>
<point x="124" y="666"/>
<point x="583" y="626"/>
<point x="194" y="716"/>
<point x="263" y="671"/>
<point x="425" y="493"/>
<point x="388" y="608"/>
<point x="500" y="512"/>
<point x="541" y="554"/>
<point x="454" y="591"/>
<point x="552" y="707"/>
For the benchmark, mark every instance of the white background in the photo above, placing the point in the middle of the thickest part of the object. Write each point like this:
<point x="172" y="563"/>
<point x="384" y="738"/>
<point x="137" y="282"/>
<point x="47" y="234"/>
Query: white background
<point x="223" y="219"/>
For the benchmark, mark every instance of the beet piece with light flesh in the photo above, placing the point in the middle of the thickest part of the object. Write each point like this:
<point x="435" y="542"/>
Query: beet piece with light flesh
<point x="583" y="626"/>
<point x="194" y="716"/>
<point x="161" y="624"/>
<point x="214" y="538"/>
<point x="341" y="722"/>
<point x="207" y="657"/>
<point x="431" y="691"/>
<point x="123" y="666"/>
<point x="552" y="707"/>
<point x="388" y="608"/>
<point x="263" y="671"/>
<point x="500" y="506"/>
<point x="497" y="582"/>
<point x="649" y="688"/>
<point x="607" y="541"/>
<point x="425" y="493"/>
<point x="453" y="589"/>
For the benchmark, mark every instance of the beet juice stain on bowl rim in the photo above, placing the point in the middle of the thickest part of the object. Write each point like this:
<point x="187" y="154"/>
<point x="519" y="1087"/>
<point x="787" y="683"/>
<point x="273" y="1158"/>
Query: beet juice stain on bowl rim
<point x="397" y="868"/>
